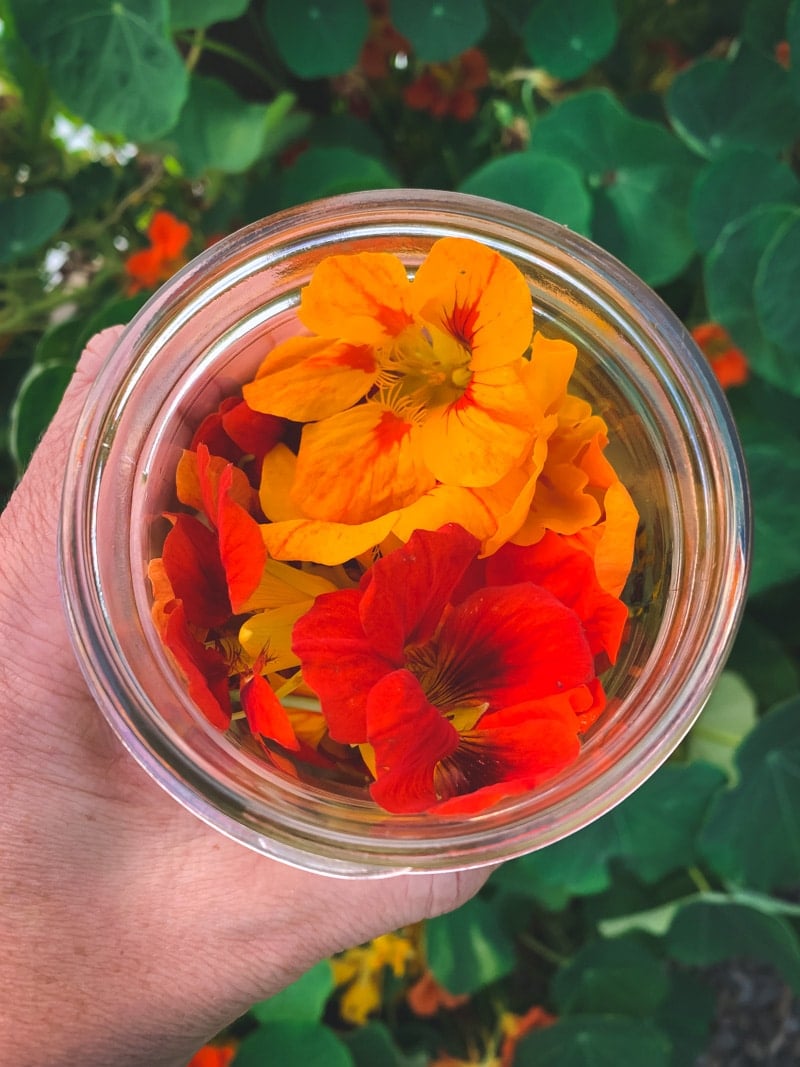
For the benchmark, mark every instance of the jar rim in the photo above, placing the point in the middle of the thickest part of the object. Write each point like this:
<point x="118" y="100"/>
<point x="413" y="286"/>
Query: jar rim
<point x="711" y="560"/>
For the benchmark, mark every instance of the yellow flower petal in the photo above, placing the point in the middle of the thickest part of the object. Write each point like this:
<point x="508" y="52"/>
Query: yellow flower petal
<point x="272" y="631"/>
<point x="477" y="295"/>
<point x="277" y="478"/>
<point x="360" y="298"/>
<point x="309" y="378"/>
<point x="282" y="585"/>
<point x="328" y="543"/>
<point x="358" y="465"/>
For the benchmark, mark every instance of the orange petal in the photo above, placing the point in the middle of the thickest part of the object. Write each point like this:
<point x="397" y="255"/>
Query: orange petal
<point x="278" y="473"/>
<point x="310" y="378"/>
<point x="548" y="373"/>
<point x="611" y="542"/>
<point x="477" y="295"/>
<point x="358" y="465"/>
<point x="467" y="443"/>
<point x="266" y="715"/>
<point x="329" y="543"/>
<point x="361" y="298"/>
<point x="188" y="481"/>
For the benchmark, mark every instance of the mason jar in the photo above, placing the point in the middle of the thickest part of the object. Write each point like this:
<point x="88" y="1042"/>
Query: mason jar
<point x="205" y="332"/>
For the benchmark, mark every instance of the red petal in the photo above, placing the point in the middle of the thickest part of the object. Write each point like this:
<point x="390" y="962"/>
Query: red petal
<point x="265" y="713"/>
<point x="570" y="575"/>
<point x="211" y="433"/>
<point x="205" y="669"/>
<point x="410" y="736"/>
<point x="191" y="560"/>
<point x="241" y="546"/>
<point x="406" y="592"/>
<point x="499" y="761"/>
<point x="510" y="644"/>
<point x="251" y="431"/>
<point x="338" y="662"/>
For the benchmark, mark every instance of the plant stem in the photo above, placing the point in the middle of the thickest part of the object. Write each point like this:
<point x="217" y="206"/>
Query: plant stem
<point x="543" y="951"/>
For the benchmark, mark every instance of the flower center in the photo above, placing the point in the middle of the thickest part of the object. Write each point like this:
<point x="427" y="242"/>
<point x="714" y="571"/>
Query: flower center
<point x="426" y="366"/>
<point x="442" y="684"/>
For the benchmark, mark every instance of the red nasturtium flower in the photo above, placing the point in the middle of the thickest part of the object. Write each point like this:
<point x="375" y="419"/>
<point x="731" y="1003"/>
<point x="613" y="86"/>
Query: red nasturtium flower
<point x="469" y="685"/>
<point x="728" y="362"/>
<point x="150" y="266"/>
<point x="213" y="1056"/>
<point x="449" y="88"/>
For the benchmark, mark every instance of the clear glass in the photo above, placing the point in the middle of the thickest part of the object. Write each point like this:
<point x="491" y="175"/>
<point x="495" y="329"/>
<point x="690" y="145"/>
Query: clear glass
<point x="202" y="335"/>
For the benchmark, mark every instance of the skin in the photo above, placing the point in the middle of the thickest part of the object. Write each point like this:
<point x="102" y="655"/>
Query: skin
<point x="130" y="932"/>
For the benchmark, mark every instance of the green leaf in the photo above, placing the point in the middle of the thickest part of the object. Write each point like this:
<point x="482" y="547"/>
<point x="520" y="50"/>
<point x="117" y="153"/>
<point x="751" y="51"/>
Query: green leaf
<point x="685" y="1016"/>
<point x="777" y="306"/>
<point x="764" y="662"/>
<point x="594" y="1041"/>
<point x="545" y="185"/>
<point x="301" y="1002"/>
<point x="764" y="23"/>
<point x="372" y="1046"/>
<point x="618" y="976"/>
<point x="318" y="38"/>
<point x="28" y="222"/>
<point x="746" y="101"/>
<point x="323" y="172"/>
<point x="196" y="14"/>
<point x="639" y="175"/>
<point x="112" y="63"/>
<point x="118" y="312"/>
<point x="730" y="270"/>
<point x="217" y="130"/>
<point x="729" y="715"/>
<point x="732" y="185"/>
<point x="704" y="933"/>
<point x="752" y="834"/>
<point x="61" y="343"/>
<point x="567" y="37"/>
<point x="775" y="488"/>
<point x="292" y="1044"/>
<point x="793" y="39"/>
<point x="468" y="948"/>
<point x="439" y="30"/>
<point x="37" y="400"/>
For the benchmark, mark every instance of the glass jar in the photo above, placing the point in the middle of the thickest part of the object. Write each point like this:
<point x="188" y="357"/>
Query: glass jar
<point x="201" y="335"/>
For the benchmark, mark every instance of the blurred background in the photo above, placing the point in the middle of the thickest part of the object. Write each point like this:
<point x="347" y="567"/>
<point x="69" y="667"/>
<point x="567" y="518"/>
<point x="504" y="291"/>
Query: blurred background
<point x="135" y="133"/>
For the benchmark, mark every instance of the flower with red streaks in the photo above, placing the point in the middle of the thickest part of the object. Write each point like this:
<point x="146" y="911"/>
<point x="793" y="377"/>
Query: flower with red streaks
<point x="466" y="692"/>
<point x="449" y="88"/>
<point x="150" y="266"/>
<point x="728" y="362"/>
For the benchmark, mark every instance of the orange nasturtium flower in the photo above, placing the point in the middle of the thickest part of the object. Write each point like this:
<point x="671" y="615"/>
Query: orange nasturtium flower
<point x="449" y="88"/>
<point x="728" y="362"/>
<point x="150" y="266"/>
<point x="213" y="1056"/>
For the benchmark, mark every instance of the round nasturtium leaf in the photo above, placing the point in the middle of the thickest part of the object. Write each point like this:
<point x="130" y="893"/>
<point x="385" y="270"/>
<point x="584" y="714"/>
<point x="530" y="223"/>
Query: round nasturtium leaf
<point x="732" y="185"/>
<point x="567" y="37"/>
<point x="775" y="488"/>
<point x="539" y="183"/>
<point x="777" y="288"/>
<point x="639" y="175"/>
<point x="37" y="400"/>
<point x="594" y="1041"/>
<point x="438" y="30"/>
<point x="113" y="64"/>
<point x="730" y="270"/>
<point x="615" y="976"/>
<point x="746" y="101"/>
<point x="468" y="949"/>
<point x="793" y="40"/>
<point x="27" y="222"/>
<point x="290" y="1043"/>
<point x="197" y="14"/>
<point x="323" y="172"/>
<point x="217" y="130"/>
<point x="317" y="38"/>
<point x="752" y="834"/>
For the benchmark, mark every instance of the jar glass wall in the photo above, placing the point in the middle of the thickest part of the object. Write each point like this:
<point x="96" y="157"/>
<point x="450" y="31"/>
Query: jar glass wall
<point x="204" y="333"/>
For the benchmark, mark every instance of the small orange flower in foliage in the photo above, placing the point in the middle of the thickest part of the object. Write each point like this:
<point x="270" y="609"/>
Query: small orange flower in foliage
<point x="168" y="240"/>
<point x="728" y="362"/>
<point x="467" y="677"/>
<point x="449" y="88"/>
<point x="213" y="1056"/>
<point x="427" y="996"/>
<point x="515" y="1027"/>
<point x="398" y="555"/>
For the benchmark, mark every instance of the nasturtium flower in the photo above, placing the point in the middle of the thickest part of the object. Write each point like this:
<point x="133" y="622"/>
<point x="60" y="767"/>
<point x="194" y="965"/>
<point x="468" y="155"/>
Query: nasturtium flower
<point x="360" y="973"/>
<point x="449" y="88"/>
<point x="728" y="362"/>
<point x="403" y="383"/>
<point x="469" y="684"/>
<point x="168" y="238"/>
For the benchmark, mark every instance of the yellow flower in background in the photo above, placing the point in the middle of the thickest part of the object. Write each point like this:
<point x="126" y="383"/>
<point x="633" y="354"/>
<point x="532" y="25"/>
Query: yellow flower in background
<point x="360" y="972"/>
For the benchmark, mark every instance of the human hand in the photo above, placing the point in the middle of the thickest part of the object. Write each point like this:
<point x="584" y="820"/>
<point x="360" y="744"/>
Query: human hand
<point x="129" y="931"/>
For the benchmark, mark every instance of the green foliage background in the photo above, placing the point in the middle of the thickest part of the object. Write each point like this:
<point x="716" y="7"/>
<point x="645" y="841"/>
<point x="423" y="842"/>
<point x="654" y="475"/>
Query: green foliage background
<point x="668" y="133"/>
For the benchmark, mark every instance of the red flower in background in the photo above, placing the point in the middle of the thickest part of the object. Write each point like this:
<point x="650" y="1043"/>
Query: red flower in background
<point x="168" y="240"/>
<point x="467" y="692"/>
<point x="382" y="44"/>
<point x="213" y="1056"/>
<point x="728" y="362"/>
<point x="449" y="88"/>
